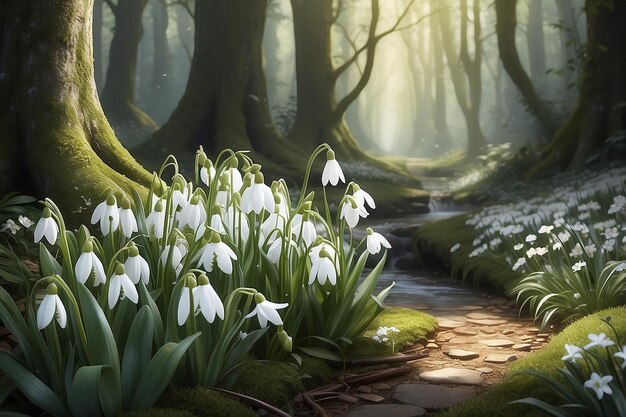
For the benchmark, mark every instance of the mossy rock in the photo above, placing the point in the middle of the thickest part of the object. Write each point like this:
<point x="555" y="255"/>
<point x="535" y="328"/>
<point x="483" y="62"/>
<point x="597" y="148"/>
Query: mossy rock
<point x="413" y="325"/>
<point x="275" y="383"/>
<point x="547" y="361"/>
<point x="202" y="402"/>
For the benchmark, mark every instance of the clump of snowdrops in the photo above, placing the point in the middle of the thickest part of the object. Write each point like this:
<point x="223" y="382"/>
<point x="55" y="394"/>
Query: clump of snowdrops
<point x="186" y="284"/>
<point x="593" y="382"/>
<point x="570" y="245"/>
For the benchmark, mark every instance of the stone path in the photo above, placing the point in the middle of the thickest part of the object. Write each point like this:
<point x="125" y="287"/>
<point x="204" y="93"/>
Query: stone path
<point x="470" y="351"/>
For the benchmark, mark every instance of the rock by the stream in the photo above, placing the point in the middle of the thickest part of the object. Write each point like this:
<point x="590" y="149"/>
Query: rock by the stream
<point x="432" y="396"/>
<point x="458" y="376"/>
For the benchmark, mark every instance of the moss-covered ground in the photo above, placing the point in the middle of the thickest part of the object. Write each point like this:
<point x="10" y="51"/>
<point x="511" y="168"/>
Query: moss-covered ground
<point x="493" y="403"/>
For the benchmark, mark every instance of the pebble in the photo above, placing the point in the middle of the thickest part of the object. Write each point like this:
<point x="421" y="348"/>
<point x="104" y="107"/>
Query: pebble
<point x="453" y="376"/>
<point x="522" y="347"/>
<point x="540" y="340"/>
<point x="498" y="342"/>
<point x="508" y="331"/>
<point x="546" y="335"/>
<point x="485" y="370"/>
<point x="500" y="358"/>
<point x="364" y="388"/>
<point x="371" y="397"/>
<point x="348" y="398"/>
<point x="462" y="354"/>
<point x="432" y="346"/>
<point x="461" y="341"/>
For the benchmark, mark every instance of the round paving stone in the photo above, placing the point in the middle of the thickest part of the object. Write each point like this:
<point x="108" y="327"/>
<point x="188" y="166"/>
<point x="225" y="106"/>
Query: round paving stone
<point x="498" y="342"/>
<point x="432" y="396"/>
<point x="452" y="376"/>
<point x="500" y="358"/>
<point x="462" y="354"/>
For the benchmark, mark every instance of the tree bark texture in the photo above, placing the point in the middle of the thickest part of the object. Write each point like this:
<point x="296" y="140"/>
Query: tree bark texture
<point x="162" y="64"/>
<point x="506" y="24"/>
<point x="440" y="111"/>
<point x="118" y="93"/>
<point x="98" y="61"/>
<point x="600" y="112"/>
<point x="535" y="40"/>
<point x="51" y="121"/>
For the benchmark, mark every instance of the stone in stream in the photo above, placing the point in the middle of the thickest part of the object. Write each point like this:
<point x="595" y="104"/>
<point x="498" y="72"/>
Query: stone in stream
<point x="462" y="354"/>
<point x="498" y="342"/>
<point x="432" y="396"/>
<point x="395" y="410"/>
<point x="500" y="358"/>
<point x="458" y="376"/>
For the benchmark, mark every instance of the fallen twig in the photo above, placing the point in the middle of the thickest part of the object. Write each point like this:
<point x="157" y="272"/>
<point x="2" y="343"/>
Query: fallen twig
<point x="256" y="402"/>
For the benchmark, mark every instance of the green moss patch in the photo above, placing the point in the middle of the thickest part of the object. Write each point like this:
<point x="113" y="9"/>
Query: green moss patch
<point x="493" y="402"/>
<point x="413" y="326"/>
<point x="433" y="241"/>
<point x="275" y="383"/>
<point x="202" y="402"/>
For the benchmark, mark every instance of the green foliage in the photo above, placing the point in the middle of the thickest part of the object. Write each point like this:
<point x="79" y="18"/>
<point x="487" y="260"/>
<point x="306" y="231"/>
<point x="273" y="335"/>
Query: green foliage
<point x="202" y="402"/>
<point x="315" y="371"/>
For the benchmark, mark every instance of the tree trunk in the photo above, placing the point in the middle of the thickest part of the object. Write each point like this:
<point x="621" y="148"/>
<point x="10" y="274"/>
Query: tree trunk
<point x="118" y="94"/>
<point x="506" y="23"/>
<point x="600" y="112"/>
<point x="162" y="64"/>
<point x="97" y="44"/>
<point x="50" y="116"/>
<point x="225" y="103"/>
<point x="440" y="116"/>
<point x="536" y="41"/>
<point x="570" y="43"/>
<point x="465" y="71"/>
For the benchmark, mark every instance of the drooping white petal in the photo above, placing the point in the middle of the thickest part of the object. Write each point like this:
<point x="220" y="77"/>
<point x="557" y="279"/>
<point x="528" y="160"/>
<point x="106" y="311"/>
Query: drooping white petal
<point x="184" y="306"/>
<point x="129" y="289"/>
<point x="83" y="267"/>
<point x="51" y="231"/>
<point x="115" y="287"/>
<point x="61" y="314"/>
<point x="39" y="230"/>
<point x="314" y="270"/>
<point x="270" y="313"/>
<point x="45" y="313"/>
<point x="101" y="277"/>
<point x="98" y="212"/>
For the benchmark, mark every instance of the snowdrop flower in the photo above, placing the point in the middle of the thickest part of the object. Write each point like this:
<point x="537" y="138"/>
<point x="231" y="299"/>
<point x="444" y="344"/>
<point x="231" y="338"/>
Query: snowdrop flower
<point x="362" y="197"/>
<point x="25" y="221"/>
<point x="273" y="221"/>
<point x="545" y="229"/>
<point x="455" y="247"/>
<point x="621" y="267"/>
<point x="236" y="224"/>
<point x="579" y="266"/>
<point x="207" y="172"/>
<point x="193" y="214"/>
<point x="136" y="266"/>
<point x="180" y="193"/>
<point x="576" y="251"/>
<point x="323" y="268"/>
<point x="156" y="219"/>
<point x="531" y="238"/>
<point x="302" y="226"/>
<point x="622" y="355"/>
<point x="128" y="222"/>
<point x="233" y="175"/>
<point x="177" y="254"/>
<point x="11" y="226"/>
<point x="46" y="226"/>
<point x="557" y="246"/>
<point x="598" y="340"/>
<point x="374" y="241"/>
<point x="332" y="171"/>
<point x="87" y="262"/>
<point x="619" y="202"/>
<point x="540" y="251"/>
<point x="208" y="300"/>
<point x="121" y="287"/>
<point x="216" y="220"/>
<point x="573" y="353"/>
<point x="519" y="246"/>
<point x="266" y="311"/>
<point x="611" y="233"/>
<point x="51" y="306"/>
<point x="257" y="196"/>
<point x="184" y="302"/>
<point x="519" y="263"/>
<point x="107" y="214"/>
<point x="214" y="250"/>
<point x="600" y="384"/>
<point x="351" y="212"/>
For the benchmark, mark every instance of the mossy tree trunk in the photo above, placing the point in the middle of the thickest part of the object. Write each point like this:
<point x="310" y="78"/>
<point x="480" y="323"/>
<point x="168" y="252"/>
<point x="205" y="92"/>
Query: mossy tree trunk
<point x="50" y="117"/>
<point x="225" y="103"/>
<point x="320" y="114"/>
<point x="118" y="93"/>
<point x="601" y="110"/>
<point x="506" y="24"/>
<point x="98" y="61"/>
<point x="440" y="117"/>
<point x="162" y="64"/>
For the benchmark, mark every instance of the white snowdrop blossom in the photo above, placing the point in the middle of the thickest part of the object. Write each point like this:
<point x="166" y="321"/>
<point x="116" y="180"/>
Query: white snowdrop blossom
<point x="573" y="353"/>
<point x="208" y="301"/>
<point x="455" y="247"/>
<point x="332" y="170"/>
<point x="25" y="221"/>
<point x="274" y="221"/>
<point x="46" y="226"/>
<point x="600" y="384"/>
<point x="156" y="219"/>
<point x="207" y="172"/>
<point x="121" y="287"/>
<point x="257" y="196"/>
<point x="621" y="354"/>
<point x="362" y="197"/>
<point x="216" y="250"/>
<point x="136" y="266"/>
<point x="87" y="262"/>
<point x="351" y="212"/>
<point x="579" y="266"/>
<point x="531" y="238"/>
<point x="184" y="301"/>
<point x="621" y="267"/>
<point x="302" y="226"/>
<point x="128" y="223"/>
<point x="107" y="214"/>
<point x="193" y="214"/>
<point x="266" y="311"/>
<point x="598" y="340"/>
<point x="51" y="306"/>
<point x="611" y="233"/>
<point x="519" y="263"/>
<point x="518" y="246"/>
<point x="11" y="226"/>
<point x="323" y="268"/>
<point x="374" y="241"/>
<point x="619" y="202"/>
<point x="576" y="251"/>
<point x="180" y="193"/>
<point x="557" y="246"/>
<point x="545" y="229"/>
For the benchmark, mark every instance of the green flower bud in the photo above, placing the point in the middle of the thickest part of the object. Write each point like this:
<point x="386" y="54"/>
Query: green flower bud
<point x="46" y="213"/>
<point x="132" y="250"/>
<point x="203" y="279"/>
<point x="190" y="281"/>
<point x="52" y="289"/>
<point x="233" y="162"/>
<point x="215" y="237"/>
<point x="217" y="209"/>
<point x="125" y="203"/>
<point x="158" y="206"/>
<point x="119" y="268"/>
<point x="330" y="154"/>
<point x="201" y="156"/>
<point x="111" y="200"/>
<point x="285" y="340"/>
<point x="194" y="200"/>
<point x="324" y="253"/>
<point x="259" y="298"/>
<point x="369" y="231"/>
<point x="88" y="246"/>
